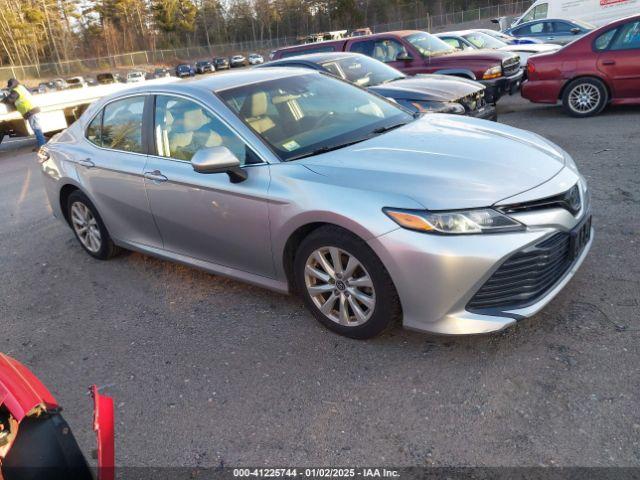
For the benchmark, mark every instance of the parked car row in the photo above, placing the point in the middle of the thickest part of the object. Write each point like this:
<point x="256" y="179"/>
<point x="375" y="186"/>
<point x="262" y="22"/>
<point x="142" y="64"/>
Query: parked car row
<point x="583" y="67"/>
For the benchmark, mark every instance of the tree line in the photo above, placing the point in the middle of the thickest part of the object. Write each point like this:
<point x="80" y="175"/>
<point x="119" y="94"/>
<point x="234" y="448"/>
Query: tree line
<point x="39" y="31"/>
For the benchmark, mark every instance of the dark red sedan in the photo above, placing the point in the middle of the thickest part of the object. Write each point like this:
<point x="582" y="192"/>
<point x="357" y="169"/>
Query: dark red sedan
<point x="598" y="69"/>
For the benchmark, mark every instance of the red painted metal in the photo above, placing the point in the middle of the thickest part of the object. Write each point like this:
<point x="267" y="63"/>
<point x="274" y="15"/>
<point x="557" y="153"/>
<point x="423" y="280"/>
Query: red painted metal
<point x="21" y="391"/>
<point x="103" y="425"/>
<point x="619" y="70"/>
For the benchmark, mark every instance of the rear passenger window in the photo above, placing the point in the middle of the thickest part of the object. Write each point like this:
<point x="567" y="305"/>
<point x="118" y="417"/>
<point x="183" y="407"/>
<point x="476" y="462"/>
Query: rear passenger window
<point x="122" y="125"/>
<point x="603" y="41"/>
<point x="94" y="130"/>
<point x="628" y="38"/>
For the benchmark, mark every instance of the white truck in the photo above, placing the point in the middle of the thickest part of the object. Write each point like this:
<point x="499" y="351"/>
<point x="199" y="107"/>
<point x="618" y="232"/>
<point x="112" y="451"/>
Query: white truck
<point x="58" y="109"/>
<point x="596" y="12"/>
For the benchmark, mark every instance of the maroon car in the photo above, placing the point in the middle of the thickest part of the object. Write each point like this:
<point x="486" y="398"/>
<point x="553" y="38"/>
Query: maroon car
<point x="598" y="69"/>
<point x="415" y="51"/>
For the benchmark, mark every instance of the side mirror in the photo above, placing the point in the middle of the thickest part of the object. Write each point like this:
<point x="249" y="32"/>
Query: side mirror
<point x="218" y="160"/>
<point x="575" y="30"/>
<point x="404" y="57"/>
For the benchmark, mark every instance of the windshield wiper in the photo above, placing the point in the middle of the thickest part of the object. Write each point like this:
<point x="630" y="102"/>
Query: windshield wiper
<point x="394" y="79"/>
<point x="388" y="127"/>
<point x="325" y="149"/>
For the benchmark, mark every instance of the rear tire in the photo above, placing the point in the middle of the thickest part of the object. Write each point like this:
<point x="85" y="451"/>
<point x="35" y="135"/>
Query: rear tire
<point x="88" y="227"/>
<point x="344" y="284"/>
<point x="585" y="97"/>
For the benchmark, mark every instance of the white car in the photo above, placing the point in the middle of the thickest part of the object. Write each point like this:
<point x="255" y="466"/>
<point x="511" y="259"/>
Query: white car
<point x="597" y="12"/>
<point x="255" y="59"/>
<point x="476" y="39"/>
<point x="135" y="77"/>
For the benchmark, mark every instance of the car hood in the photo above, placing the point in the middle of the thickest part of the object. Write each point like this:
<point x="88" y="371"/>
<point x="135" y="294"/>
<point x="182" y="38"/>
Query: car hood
<point x="532" y="48"/>
<point x="481" y="55"/>
<point x="444" y="162"/>
<point x="444" y="88"/>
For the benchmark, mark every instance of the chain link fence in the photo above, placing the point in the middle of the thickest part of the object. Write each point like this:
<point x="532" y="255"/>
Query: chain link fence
<point x="150" y="58"/>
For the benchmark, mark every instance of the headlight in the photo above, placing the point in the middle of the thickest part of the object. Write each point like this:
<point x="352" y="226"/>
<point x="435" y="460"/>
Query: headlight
<point x="493" y="72"/>
<point x="484" y="220"/>
<point x="427" y="106"/>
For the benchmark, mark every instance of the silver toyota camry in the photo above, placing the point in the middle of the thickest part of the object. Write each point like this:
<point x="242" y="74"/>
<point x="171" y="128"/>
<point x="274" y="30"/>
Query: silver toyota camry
<point x="299" y="182"/>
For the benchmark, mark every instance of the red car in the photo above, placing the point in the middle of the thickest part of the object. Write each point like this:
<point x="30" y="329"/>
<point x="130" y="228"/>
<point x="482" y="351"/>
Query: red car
<point x="601" y="68"/>
<point x="36" y="442"/>
<point x="415" y="51"/>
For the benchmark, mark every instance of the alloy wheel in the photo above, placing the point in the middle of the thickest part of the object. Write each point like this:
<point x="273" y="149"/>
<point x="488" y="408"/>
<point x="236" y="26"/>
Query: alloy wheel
<point x="86" y="227"/>
<point x="584" y="98"/>
<point x="340" y="286"/>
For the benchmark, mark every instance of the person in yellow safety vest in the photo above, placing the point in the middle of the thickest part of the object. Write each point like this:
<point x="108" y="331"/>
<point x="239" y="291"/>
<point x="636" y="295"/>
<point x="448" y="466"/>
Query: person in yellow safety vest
<point x="22" y="100"/>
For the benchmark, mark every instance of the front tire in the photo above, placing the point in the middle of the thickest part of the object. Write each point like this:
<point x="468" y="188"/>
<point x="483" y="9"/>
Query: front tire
<point x="89" y="228"/>
<point x="344" y="284"/>
<point x="585" y="97"/>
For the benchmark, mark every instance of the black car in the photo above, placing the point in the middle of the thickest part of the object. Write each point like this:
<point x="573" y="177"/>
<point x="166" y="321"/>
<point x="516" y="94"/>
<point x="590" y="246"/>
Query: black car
<point x="221" y="63"/>
<point x="420" y="93"/>
<point x="205" y="66"/>
<point x="185" y="70"/>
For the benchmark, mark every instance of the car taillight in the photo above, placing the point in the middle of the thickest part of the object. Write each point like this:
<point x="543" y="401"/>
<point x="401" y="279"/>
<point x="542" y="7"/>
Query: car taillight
<point x="530" y="68"/>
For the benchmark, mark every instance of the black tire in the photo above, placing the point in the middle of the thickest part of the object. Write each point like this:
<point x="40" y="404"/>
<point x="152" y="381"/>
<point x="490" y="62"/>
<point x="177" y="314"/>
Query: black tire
<point x="386" y="311"/>
<point x="589" y="84"/>
<point x="107" y="248"/>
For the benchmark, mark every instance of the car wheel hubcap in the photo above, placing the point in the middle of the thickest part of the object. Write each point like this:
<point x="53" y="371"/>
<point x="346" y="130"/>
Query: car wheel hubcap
<point x="584" y="98"/>
<point x="86" y="227"/>
<point x="340" y="286"/>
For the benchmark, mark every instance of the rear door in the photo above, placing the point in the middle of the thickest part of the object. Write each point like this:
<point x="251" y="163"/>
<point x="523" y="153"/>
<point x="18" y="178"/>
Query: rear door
<point x="111" y="165"/>
<point x="619" y="59"/>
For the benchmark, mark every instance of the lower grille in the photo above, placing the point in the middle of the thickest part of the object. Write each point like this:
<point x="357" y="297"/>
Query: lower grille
<point x="525" y="276"/>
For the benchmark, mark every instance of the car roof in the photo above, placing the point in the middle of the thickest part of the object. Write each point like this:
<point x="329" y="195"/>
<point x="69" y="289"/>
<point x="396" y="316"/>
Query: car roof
<point x="373" y="36"/>
<point x="314" y="58"/>
<point x="460" y="33"/>
<point x="210" y="84"/>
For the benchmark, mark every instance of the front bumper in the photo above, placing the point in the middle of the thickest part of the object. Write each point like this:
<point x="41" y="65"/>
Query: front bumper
<point x="437" y="275"/>
<point x="488" y="112"/>
<point x="497" y="87"/>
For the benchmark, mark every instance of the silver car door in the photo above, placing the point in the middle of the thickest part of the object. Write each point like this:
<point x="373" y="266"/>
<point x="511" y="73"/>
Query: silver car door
<point x="111" y="165"/>
<point x="206" y="216"/>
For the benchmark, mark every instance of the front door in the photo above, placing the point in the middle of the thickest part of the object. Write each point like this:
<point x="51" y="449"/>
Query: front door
<point x="388" y="50"/>
<point x="111" y="165"/>
<point x="206" y="216"/>
<point x="620" y="61"/>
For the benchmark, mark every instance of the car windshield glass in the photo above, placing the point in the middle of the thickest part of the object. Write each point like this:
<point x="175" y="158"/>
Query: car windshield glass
<point x="482" y="40"/>
<point x="303" y="115"/>
<point x="428" y="45"/>
<point x="362" y="70"/>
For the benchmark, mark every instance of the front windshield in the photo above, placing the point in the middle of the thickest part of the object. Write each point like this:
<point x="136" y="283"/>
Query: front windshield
<point x="306" y="114"/>
<point x="428" y="45"/>
<point x="482" y="40"/>
<point x="362" y="70"/>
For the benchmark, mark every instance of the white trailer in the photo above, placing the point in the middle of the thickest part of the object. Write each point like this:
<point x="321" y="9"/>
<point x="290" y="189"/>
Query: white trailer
<point x="59" y="109"/>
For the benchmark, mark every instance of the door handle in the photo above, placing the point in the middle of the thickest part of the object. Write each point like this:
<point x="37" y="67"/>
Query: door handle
<point x="550" y="38"/>
<point x="86" y="162"/>
<point x="608" y="62"/>
<point x="155" y="176"/>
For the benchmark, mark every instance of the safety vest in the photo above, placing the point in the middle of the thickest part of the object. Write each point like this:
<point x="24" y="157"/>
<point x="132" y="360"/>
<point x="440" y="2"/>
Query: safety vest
<point x="24" y="103"/>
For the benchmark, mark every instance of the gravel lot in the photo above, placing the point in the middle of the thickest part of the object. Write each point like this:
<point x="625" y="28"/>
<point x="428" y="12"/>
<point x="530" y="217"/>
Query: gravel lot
<point x="207" y="370"/>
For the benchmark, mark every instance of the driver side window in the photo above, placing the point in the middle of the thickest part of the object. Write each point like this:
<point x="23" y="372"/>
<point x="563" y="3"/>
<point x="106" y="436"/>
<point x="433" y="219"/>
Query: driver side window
<point x="387" y="50"/>
<point x="183" y="127"/>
